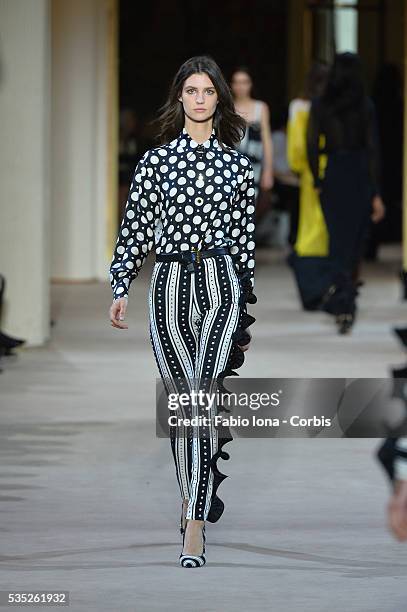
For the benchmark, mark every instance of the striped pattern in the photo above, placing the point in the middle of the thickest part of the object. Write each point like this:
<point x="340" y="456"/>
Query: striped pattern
<point x="192" y="318"/>
<point x="193" y="560"/>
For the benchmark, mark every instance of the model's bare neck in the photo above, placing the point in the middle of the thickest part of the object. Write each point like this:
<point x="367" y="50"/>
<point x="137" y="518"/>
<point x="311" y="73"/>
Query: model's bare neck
<point x="198" y="130"/>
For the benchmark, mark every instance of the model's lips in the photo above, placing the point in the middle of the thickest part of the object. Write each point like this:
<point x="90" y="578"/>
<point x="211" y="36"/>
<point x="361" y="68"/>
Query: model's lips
<point x="199" y="110"/>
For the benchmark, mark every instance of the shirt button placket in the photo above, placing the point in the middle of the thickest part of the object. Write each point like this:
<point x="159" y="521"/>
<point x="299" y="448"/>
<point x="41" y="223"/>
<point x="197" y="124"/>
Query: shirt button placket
<point x="200" y="182"/>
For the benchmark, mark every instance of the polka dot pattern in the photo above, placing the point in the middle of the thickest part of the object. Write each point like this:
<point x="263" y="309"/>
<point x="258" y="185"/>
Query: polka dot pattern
<point x="186" y="195"/>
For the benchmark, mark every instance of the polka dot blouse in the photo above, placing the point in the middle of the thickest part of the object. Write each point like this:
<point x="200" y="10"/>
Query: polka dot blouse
<point x="186" y="195"/>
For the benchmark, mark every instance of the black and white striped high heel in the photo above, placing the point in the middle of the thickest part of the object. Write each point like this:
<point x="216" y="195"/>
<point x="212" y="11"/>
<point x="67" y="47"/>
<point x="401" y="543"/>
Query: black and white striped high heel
<point x="193" y="560"/>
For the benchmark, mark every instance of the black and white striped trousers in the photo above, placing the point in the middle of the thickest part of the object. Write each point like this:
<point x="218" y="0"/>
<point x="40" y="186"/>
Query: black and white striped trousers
<point x="192" y="318"/>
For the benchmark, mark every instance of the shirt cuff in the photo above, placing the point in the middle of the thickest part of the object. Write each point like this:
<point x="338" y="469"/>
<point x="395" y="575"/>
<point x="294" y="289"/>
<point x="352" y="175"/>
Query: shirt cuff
<point x="400" y="463"/>
<point x="120" y="290"/>
<point x="400" y="469"/>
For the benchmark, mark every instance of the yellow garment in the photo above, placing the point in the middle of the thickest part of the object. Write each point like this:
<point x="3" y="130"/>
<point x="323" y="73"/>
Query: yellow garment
<point x="312" y="237"/>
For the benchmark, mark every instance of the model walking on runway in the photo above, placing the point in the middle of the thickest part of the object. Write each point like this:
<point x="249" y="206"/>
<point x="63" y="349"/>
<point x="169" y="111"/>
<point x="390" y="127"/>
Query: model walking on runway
<point x="343" y="117"/>
<point x="257" y="142"/>
<point x="192" y="198"/>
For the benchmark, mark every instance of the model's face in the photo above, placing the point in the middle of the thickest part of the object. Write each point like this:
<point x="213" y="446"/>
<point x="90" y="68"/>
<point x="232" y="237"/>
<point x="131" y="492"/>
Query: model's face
<point x="241" y="85"/>
<point x="199" y="97"/>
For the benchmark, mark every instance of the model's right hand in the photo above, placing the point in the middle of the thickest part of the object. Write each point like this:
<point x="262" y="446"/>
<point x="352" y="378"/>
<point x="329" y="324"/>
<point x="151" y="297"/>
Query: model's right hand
<point x="117" y="313"/>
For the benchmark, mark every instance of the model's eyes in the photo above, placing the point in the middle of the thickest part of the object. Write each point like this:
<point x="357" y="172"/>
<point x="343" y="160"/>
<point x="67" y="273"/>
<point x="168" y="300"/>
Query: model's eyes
<point x="208" y="91"/>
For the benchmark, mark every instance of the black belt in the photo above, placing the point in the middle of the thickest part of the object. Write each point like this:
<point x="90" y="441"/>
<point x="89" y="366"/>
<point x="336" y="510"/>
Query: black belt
<point x="190" y="258"/>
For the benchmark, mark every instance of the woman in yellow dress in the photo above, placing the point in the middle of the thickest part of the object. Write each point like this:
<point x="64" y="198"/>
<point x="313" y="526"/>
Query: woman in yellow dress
<point x="311" y="246"/>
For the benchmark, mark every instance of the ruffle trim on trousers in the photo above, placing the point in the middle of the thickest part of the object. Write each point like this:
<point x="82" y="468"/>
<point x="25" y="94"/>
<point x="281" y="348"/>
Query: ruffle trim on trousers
<point x="235" y="360"/>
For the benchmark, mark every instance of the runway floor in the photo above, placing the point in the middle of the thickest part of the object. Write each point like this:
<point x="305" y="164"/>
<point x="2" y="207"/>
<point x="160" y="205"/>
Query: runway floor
<point x="88" y="498"/>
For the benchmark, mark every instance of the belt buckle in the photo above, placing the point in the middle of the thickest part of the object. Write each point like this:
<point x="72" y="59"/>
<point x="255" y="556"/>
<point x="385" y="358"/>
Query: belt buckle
<point x="197" y="254"/>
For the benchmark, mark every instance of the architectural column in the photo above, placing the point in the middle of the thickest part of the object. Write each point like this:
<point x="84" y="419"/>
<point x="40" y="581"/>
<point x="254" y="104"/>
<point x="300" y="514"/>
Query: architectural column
<point x="405" y="157"/>
<point x="25" y="171"/>
<point x="299" y="46"/>
<point x="84" y="126"/>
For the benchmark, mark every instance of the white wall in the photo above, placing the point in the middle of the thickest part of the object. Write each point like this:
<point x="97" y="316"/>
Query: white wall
<point x="79" y="181"/>
<point x="24" y="167"/>
<point x="54" y="174"/>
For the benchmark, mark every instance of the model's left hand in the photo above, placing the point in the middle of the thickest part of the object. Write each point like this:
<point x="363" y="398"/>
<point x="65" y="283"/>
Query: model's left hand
<point x="246" y="346"/>
<point x="266" y="180"/>
<point x="397" y="511"/>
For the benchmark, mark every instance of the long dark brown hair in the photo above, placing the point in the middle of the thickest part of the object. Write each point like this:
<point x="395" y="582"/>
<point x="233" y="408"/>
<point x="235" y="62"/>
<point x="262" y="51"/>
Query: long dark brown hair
<point x="316" y="79"/>
<point x="229" y="126"/>
<point x="345" y="87"/>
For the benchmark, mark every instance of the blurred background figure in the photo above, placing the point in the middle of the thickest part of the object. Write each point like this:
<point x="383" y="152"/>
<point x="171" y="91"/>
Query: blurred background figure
<point x="7" y="343"/>
<point x="129" y="153"/>
<point x="388" y="99"/>
<point x="392" y="455"/>
<point x="286" y="181"/>
<point x="256" y="144"/>
<point x="349" y="185"/>
<point x="310" y="249"/>
<point x="397" y="508"/>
